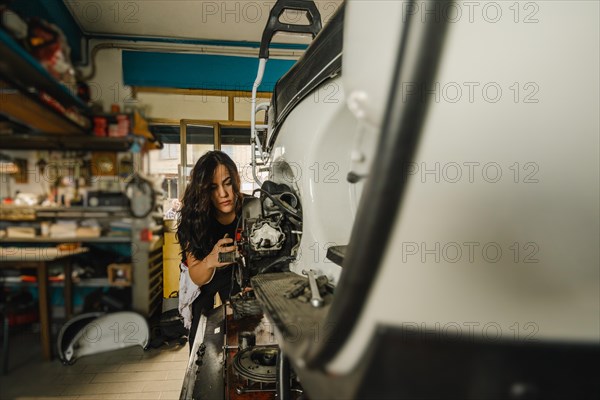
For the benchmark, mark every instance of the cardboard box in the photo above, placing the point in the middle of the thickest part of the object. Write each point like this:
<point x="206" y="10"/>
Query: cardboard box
<point x="119" y="274"/>
<point x="23" y="232"/>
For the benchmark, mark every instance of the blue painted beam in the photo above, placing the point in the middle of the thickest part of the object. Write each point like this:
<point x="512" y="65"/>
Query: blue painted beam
<point x="199" y="71"/>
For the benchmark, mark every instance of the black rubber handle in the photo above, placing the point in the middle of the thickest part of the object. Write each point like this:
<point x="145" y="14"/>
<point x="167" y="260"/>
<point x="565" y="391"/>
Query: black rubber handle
<point x="274" y="25"/>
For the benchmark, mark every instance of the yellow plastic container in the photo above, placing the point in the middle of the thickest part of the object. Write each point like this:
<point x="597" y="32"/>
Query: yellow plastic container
<point x="171" y="261"/>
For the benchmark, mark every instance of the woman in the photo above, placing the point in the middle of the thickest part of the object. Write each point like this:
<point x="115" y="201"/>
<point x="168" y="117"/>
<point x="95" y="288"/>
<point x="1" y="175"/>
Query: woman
<point x="211" y="207"/>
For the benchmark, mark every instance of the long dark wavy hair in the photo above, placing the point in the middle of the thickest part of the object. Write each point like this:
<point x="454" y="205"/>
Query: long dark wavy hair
<point x="197" y="215"/>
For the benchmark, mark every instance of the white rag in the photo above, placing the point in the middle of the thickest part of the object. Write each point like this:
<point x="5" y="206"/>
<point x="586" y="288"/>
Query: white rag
<point x="188" y="292"/>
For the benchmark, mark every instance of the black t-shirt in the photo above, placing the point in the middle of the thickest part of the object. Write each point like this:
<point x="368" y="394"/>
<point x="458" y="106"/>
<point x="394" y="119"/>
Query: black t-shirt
<point x="222" y="282"/>
<point x="216" y="232"/>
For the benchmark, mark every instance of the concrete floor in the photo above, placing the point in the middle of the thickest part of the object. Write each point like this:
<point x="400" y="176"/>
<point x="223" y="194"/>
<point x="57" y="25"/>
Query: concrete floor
<point x="130" y="373"/>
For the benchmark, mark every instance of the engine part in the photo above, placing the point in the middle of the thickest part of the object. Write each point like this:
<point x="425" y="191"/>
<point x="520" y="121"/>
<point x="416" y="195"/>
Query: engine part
<point x="229" y="257"/>
<point x="246" y="339"/>
<point x="266" y="236"/>
<point x="300" y="287"/>
<point x="269" y="232"/>
<point x="257" y="363"/>
<point x="245" y="304"/>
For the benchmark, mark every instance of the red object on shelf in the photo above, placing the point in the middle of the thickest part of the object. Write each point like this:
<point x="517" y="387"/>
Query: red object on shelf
<point x="22" y="318"/>
<point x="49" y="46"/>
<point x="146" y="235"/>
<point x="33" y="278"/>
<point x="100" y="124"/>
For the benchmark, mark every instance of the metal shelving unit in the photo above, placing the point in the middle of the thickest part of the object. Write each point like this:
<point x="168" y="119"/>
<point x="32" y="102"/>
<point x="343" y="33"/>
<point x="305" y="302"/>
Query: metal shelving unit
<point x="23" y="81"/>
<point x="147" y="261"/>
<point x="49" y="113"/>
<point x="146" y="255"/>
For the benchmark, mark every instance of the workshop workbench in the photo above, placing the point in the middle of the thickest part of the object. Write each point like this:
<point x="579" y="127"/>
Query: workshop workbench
<point x="39" y="258"/>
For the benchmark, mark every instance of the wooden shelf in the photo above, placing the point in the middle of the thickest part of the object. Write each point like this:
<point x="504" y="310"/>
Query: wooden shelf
<point x="25" y="81"/>
<point x="30" y="214"/>
<point x="35" y="214"/>
<point x="47" y="115"/>
<point x="91" y="282"/>
<point x="107" y="209"/>
<point x="101" y="239"/>
<point x="25" y="109"/>
<point x="79" y="142"/>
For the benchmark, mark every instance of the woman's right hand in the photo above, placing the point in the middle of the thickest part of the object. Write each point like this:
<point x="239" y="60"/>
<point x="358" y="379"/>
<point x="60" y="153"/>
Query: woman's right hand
<point x="202" y="271"/>
<point x="220" y="247"/>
